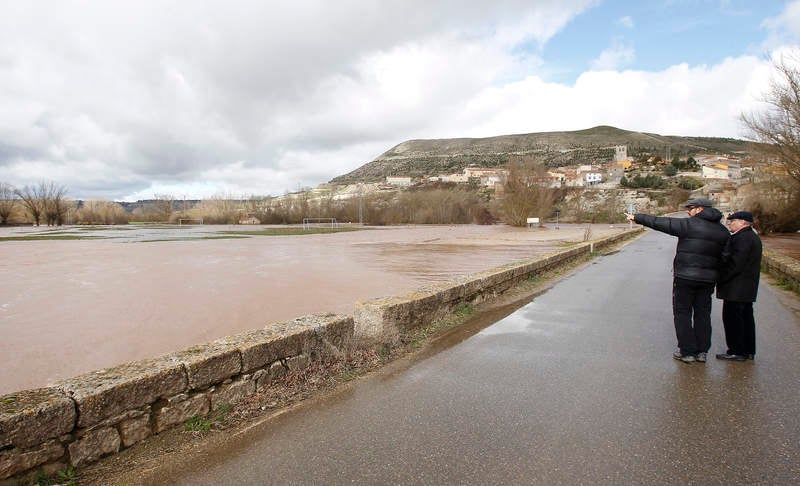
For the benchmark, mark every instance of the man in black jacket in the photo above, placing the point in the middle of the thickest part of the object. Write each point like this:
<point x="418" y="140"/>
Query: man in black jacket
<point x="738" y="287"/>
<point x="701" y="239"/>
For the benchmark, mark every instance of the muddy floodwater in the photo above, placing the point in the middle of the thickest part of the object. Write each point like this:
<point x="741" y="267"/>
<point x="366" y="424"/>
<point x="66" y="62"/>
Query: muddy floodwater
<point x="69" y="307"/>
<point x="786" y="243"/>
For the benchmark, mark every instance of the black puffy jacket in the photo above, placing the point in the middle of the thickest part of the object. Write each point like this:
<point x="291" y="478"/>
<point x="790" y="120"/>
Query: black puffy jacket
<point x="701" y="239"/>
<point x="741" y="267"/>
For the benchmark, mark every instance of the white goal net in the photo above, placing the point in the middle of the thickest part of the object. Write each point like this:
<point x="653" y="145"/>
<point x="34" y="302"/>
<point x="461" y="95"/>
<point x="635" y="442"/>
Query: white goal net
<point x="320" y="223"/>
<point x="183" y="221"/>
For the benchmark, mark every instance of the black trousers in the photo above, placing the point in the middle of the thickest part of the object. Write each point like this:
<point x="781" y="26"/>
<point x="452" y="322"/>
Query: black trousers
<point x="691" y="311"/>
<point x="740" y="327"/>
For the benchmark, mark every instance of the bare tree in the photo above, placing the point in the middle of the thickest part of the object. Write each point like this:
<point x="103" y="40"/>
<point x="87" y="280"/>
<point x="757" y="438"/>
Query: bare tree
<point x="95" y="211"/>
<point x="526" y="194"/>
<point x="54" y="202"/>
<point x="8" y="199"/>
<point x="221" y="209"/>
<point x="778" y="126"/>
<point x="164" y="206"/>
<point x="33" y="201"/>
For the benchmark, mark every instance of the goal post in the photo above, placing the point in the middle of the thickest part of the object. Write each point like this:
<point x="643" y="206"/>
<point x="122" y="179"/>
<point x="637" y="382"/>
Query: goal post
<point x="319" y="223"/>
<point x="183" y="221"/>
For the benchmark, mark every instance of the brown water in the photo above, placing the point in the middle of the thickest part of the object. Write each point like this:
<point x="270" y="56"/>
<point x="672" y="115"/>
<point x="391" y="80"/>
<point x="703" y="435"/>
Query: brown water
<point x="69" y="307"/>
<point x="788" y="244"/>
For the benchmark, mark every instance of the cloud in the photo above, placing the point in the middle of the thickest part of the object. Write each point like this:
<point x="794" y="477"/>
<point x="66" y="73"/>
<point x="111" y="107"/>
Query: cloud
<point x="680" y="100"/>
<point x="626" y="21"/>
<point x="126" y="100"/>
<point x="784" y="28"/>
<point x="108" y="96"/>
<point x="618" y="55"/>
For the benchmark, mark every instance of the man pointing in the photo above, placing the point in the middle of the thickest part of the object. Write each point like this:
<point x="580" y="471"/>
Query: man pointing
<point x="701" y="239"/>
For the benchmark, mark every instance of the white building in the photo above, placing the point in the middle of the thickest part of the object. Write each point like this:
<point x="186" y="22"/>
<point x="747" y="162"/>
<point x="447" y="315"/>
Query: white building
<point x="398" y="181"/>
<point x="716" y="171"/>
<point x="457" y="178"/>
<point x="593" y="178"/>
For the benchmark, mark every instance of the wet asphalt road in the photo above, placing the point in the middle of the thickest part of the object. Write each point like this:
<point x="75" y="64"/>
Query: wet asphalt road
<point x="577" y="387"/>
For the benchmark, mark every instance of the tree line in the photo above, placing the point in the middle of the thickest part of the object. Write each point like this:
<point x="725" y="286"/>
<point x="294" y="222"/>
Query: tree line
<point x="45" y="202"/>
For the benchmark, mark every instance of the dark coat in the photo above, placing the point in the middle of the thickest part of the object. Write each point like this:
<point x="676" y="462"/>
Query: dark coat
<point x="741" y="267"/>
<point x="701" y="239"/>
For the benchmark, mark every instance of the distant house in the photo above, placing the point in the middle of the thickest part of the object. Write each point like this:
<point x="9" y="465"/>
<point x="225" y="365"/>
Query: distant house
<point x="556" y="178"/>
<point x="456" y="178"/>
<point x="573" y="179"/>
<point x="593" y="178"/>
<point x="716" y="171"/>
<point x="398" y="181"/>
<point x="488" y="177"/>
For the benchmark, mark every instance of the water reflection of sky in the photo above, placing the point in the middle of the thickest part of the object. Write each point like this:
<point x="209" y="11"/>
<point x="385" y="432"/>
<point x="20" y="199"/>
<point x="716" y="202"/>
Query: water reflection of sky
<point x="534" y="318"/>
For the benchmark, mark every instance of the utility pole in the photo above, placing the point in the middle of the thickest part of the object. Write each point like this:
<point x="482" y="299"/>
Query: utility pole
<point x="360" y="204"/>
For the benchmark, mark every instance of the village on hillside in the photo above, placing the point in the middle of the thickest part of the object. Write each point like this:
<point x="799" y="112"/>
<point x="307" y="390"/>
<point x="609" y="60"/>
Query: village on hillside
<point x="713" y="175"/>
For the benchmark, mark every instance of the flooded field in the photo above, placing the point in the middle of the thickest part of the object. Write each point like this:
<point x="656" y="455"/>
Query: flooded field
<point x="68" y="306"/>
<point x="788" y="244"/>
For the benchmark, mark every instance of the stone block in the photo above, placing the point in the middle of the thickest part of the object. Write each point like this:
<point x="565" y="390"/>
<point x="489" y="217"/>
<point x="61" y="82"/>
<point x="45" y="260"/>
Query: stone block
<point x="278" y="340"/>
<point x="93" y="446"/>
<point x="368" y="323"/>
<point x="276" y="370"/>
<point x="333" y="335"/>
<point x="207" y="364"/>
<point x="232" y="393"/>
<point x="15" y="461"/>
<point x="179" y="410"/>
<point x="30" y="417"/>
<point x="297" y="363"/>
<point x="112" y="391"/>
<point x="383" y="320"/>
<point x="135" y="429"/>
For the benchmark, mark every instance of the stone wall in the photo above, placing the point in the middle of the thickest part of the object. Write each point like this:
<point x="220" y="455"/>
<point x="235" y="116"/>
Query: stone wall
<point x="81" y="419"/>
<point x="783" y="267"/>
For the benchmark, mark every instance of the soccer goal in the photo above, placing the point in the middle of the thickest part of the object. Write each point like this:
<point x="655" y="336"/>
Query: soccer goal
<point x="183" y="221"/>
<point x="319" y="223"/>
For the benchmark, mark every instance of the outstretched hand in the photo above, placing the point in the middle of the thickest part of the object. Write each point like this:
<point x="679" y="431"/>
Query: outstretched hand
<point x="629" y="216"/>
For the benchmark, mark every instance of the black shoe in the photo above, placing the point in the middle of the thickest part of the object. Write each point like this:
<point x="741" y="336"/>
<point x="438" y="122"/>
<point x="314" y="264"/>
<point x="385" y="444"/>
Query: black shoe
<point x="732" y="357"/>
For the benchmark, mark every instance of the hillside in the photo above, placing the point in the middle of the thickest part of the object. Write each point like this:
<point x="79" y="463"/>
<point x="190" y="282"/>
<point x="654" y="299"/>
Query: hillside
<point x="418" y="158"/>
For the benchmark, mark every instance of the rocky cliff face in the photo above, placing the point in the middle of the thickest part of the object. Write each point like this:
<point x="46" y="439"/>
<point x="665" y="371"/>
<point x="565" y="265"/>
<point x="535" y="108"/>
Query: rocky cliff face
<point x="420" y="158"/>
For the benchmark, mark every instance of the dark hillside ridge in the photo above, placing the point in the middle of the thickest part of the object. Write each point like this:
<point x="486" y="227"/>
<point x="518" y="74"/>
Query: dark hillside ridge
<point x="420" y="158"/>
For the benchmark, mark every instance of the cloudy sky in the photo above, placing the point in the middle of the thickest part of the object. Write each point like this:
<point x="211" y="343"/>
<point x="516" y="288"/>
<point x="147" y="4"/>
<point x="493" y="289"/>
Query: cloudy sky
<point x="124" y="100"/>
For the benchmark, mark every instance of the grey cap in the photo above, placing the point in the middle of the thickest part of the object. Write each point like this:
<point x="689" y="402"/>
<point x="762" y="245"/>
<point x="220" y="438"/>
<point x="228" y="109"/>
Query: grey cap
<point x="699" y="202"/>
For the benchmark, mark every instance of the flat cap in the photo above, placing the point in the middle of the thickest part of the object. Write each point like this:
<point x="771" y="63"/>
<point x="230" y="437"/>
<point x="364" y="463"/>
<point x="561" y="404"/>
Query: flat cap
<point x="743" y="215"/>
<point x="698" y="202"/>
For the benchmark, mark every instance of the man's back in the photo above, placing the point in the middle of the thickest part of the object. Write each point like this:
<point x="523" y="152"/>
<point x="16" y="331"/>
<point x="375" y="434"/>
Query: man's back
<point x="701" y="239"/>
